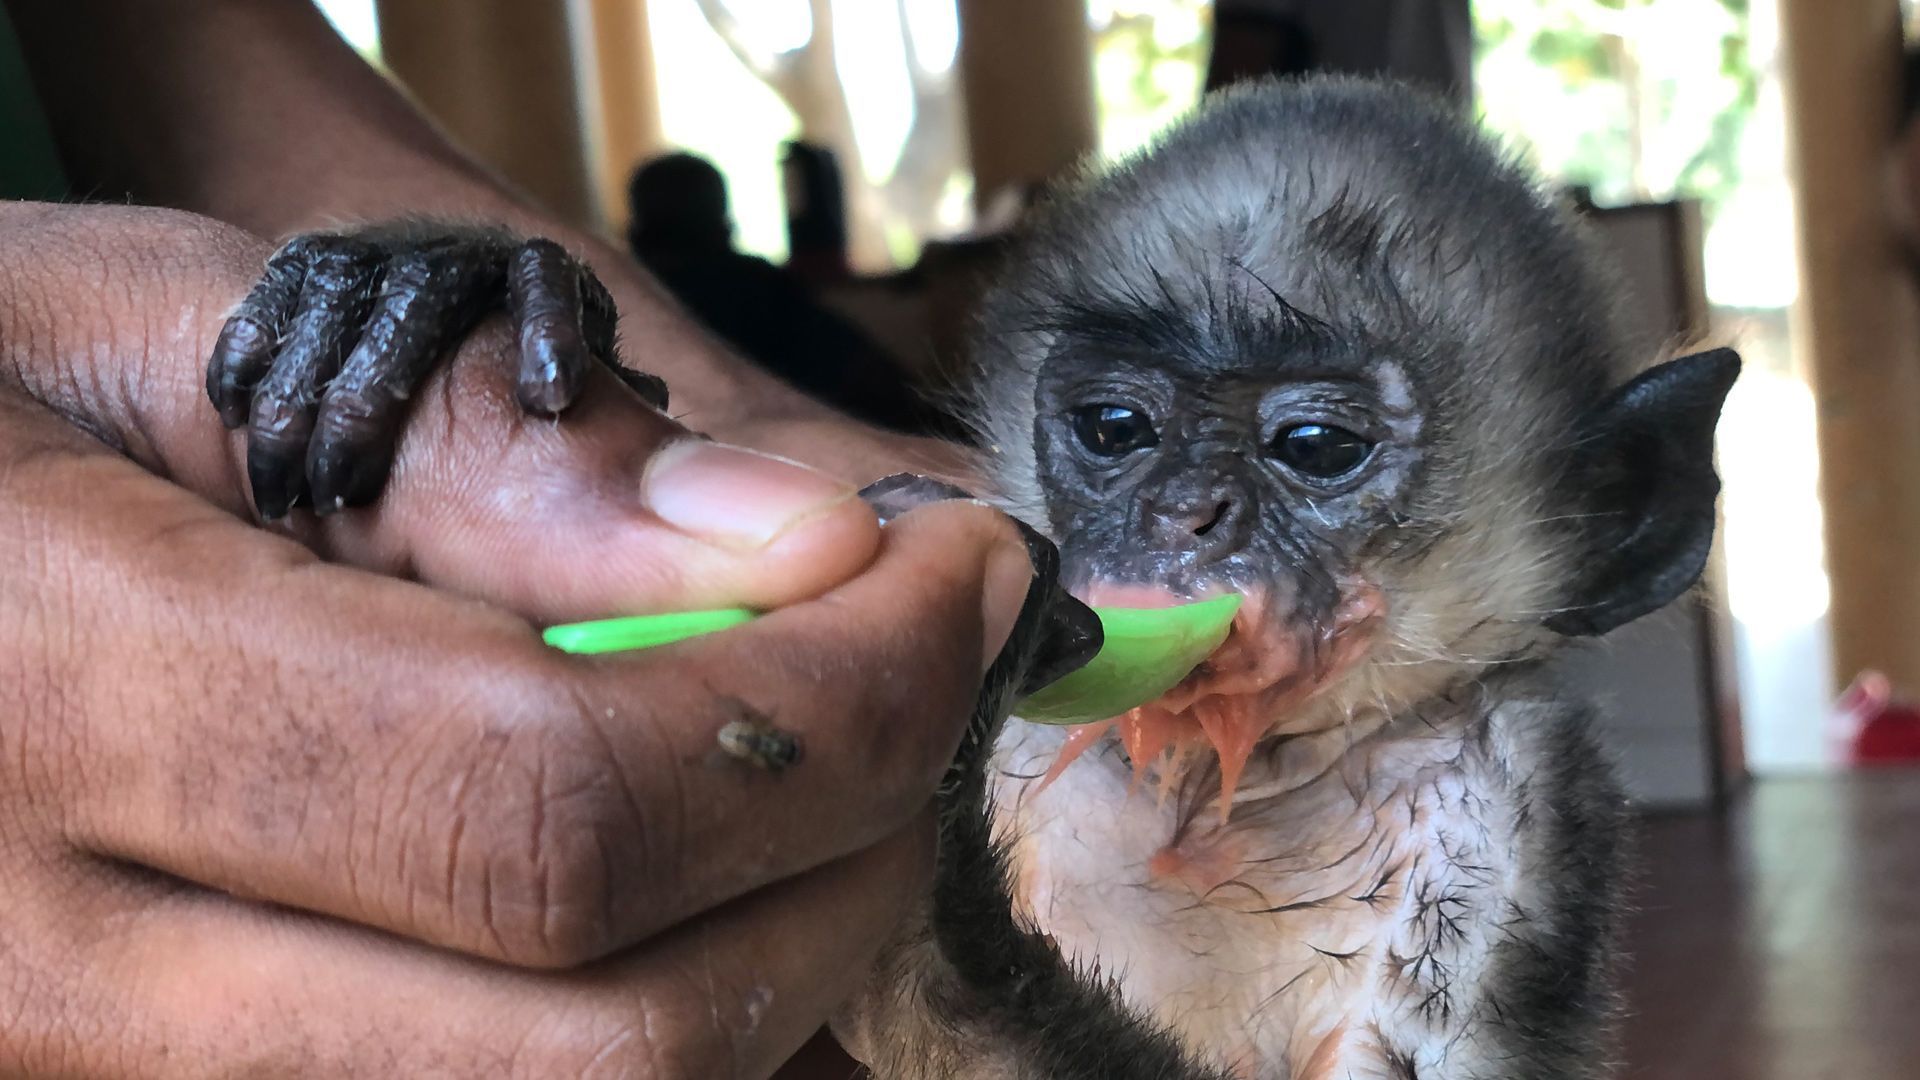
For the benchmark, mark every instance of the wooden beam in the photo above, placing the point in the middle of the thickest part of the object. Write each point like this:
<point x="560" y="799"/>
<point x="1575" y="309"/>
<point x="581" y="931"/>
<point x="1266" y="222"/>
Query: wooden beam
<point x="1027" y="73"/>
<point x="1857" y="324"/>
<point x="498" y="76"/>
<point x="619" y="95"/>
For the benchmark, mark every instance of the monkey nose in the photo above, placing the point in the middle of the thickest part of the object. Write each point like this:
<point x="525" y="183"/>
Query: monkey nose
<point x="1220" y="513"/>
<point x="1208" y="526"/>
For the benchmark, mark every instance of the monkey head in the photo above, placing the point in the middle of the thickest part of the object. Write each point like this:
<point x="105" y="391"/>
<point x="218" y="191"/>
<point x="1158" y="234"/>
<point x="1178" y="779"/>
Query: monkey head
<point x="1359" y="371"/>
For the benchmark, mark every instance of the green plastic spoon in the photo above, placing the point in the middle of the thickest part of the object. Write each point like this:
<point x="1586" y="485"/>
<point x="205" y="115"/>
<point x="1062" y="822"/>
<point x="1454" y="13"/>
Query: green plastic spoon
<point x="1146" y="653"/>
<point x="641" y="631"/>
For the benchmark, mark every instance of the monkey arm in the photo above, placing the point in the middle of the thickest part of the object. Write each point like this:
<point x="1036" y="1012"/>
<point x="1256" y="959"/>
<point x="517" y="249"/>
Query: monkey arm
<point x="254" y="112"/>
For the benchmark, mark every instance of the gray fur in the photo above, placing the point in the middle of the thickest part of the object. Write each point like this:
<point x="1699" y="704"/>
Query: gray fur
<point x="1436" y="826"/>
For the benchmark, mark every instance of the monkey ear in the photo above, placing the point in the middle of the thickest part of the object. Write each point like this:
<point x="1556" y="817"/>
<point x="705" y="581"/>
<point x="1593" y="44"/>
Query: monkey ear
<point x="1645" y="463"/>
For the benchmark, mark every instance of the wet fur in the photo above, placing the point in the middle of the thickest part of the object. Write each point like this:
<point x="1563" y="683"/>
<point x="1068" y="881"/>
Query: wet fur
<point x="1427" y="862"/>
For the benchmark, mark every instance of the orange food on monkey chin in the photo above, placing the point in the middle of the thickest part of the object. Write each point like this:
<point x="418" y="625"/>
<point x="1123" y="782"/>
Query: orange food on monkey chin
<point x="1230" y="726"/>
<point x="1263" y="673"/>
<point x="1226" y="705"/>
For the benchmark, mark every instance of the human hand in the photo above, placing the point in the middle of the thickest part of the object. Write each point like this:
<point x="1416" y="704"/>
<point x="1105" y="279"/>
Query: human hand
<point x="259" y="115"/>
<point x="618" y="510"/>
<point x="206" y="711"/>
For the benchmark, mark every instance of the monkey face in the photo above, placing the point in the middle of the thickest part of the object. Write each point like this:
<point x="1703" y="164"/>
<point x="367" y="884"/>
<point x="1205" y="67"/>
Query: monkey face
<point x="1389" y="535"/>
<point x="1307" y="352"/>
<point x="1277" y="465"/>
<point x="1201" y="480"/>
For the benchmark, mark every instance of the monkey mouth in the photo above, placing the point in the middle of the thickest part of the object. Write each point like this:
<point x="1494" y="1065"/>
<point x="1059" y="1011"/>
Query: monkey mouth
<point x="1271" y="664"/>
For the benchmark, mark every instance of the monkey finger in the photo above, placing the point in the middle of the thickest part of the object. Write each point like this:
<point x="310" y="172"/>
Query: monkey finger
<point x="543" y="297"/>
<point x="651" y="388"/>
<point x="333" y="304"/>
<point x="244" y="351"/>
<point x="430" y="299"/>
<point x="192" y="983"/>
<point x="601" y="320"/>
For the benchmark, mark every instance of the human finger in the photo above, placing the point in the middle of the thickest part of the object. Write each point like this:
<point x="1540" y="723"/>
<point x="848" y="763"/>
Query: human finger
<point x="382" y="752"/>
<point x="115" y="971"/>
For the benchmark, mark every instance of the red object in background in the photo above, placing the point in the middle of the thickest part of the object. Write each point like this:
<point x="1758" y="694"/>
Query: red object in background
<point x="1877" y="729"/>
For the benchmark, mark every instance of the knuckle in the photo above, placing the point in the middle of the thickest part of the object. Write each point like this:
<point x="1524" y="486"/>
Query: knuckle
<point x="278" y="435"/>
<point x="243" y="337"/>
<point x="348" y="414"/>
<point x="548" y="847"/>
<point x="186" y="242"/>
<point x="413" y="271"/>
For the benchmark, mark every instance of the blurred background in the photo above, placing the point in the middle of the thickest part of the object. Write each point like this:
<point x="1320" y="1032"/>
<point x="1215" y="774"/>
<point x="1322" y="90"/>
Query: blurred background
<point x="852" y="165"/>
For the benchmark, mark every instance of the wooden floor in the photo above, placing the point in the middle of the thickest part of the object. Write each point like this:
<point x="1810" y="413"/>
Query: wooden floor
<point x="1782" y="942"/>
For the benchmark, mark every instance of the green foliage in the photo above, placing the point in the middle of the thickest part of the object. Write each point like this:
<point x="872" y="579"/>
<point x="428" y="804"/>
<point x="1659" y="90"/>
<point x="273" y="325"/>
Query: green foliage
<point x="1635" y="99"/>
<point x="1149" y="57"/>
<point x="1576" y="54"/>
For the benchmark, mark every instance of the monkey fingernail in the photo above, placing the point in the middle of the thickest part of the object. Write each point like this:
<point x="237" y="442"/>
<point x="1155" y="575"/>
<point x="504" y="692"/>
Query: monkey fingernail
<point x="732" y="496"/>
<point x="547" y="390"/>
<point x="276" y="486"/>
<point x="651" y="388"/>
<point x="1071" y="637"/>
<point x="550" y="372"/>
<point x="892" y="496"/>
<point x="342" y="477"/>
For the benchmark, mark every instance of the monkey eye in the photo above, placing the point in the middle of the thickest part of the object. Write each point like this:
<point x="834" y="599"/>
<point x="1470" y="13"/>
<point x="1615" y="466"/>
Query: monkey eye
<point x="1113" y="430"/>
<point x="1321" y="451"/>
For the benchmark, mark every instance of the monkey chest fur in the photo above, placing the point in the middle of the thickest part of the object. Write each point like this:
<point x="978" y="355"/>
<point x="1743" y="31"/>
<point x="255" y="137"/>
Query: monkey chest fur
<point x="1336" y="926"/>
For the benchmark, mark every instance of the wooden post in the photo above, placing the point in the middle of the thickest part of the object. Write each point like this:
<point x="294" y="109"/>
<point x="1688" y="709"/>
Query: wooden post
<point x="1027" y="71"/>
<point x="619" y="96"/>
<point x="1857" y="324"/>
<point x="498" y="76"/>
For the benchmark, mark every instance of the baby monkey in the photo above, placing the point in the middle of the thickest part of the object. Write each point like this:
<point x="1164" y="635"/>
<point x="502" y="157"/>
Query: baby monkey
<point x="1326" y="348"/>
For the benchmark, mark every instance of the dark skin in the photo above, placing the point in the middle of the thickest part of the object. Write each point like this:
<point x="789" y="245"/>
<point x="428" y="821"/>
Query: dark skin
<point x="1173" y="442"/>
<point x="254" y="113"/>
<point x="1053" y="635"/>
<point x="185" y="747"/>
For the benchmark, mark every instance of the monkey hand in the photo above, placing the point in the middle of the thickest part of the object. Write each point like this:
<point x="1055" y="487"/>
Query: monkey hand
<point x="321" y="357"/>
<point x="1054" y="635"/>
